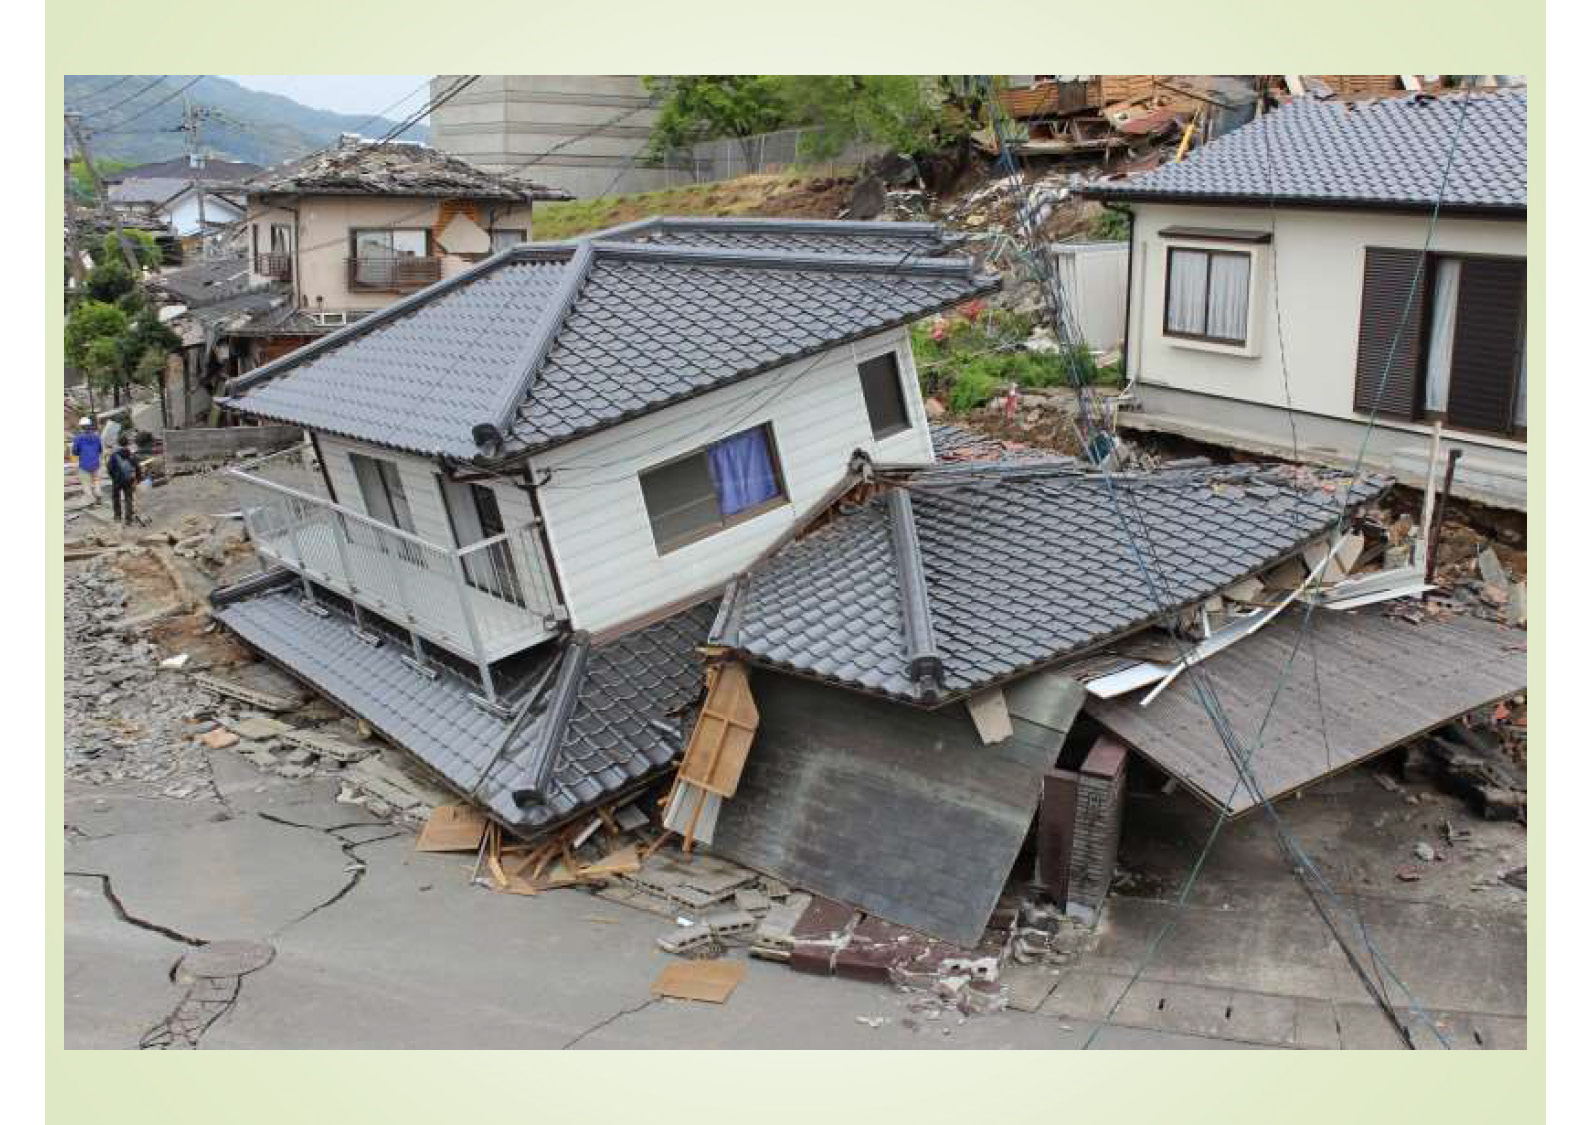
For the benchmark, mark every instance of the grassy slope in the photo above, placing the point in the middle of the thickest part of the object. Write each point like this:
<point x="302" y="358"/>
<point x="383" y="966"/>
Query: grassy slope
<point x="787" y="195"/>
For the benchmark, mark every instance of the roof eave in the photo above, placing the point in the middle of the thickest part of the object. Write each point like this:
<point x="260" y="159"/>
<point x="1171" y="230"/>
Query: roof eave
<point x="1313" y="203"/>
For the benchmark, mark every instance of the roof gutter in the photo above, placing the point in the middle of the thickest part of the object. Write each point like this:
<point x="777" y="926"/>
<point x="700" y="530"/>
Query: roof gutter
<point x="1307" y="203"/>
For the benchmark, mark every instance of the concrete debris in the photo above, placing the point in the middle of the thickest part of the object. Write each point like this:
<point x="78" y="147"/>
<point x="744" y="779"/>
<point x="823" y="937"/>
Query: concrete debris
<point x="1424" y="852"/>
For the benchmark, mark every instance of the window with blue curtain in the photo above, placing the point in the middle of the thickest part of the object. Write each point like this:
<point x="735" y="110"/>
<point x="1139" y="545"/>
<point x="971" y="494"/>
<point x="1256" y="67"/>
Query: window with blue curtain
<point x="728" y="481"/>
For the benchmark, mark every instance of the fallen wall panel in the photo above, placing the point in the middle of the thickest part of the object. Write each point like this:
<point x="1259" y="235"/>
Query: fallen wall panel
<point x="1361" y="682"/>
<point x="901" y="812"/>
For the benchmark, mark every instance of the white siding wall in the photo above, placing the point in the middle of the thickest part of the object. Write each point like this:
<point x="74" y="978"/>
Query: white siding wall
<point x="596" y="517"/>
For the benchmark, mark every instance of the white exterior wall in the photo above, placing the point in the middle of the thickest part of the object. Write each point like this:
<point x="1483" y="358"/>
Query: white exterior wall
<point x="1239" y="396"/>
<point x="183" y="213"/>
<point x="596" y="515"/>
<point x="1094" y="277"/>
<point x="1319" y="260"/>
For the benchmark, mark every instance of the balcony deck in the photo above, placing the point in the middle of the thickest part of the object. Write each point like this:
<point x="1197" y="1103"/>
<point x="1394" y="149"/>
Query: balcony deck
<point x="386" y="583"/>
<point x="483" y="602"/>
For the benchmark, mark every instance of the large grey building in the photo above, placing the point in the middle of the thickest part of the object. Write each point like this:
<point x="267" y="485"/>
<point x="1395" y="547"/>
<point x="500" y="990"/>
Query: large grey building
<point x="583" y="133"/>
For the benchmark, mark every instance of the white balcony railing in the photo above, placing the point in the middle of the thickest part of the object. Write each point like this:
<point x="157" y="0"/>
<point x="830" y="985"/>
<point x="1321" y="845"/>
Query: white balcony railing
<point x="482" y="602"/>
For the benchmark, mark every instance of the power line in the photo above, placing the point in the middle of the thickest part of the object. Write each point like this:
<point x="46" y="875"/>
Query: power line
<point x="140" y="92"/>
<point x="1207" y="697"/>
<point x="413" y="119"/>
<point x="103" y="90"/>
<point x="154" y="106"/>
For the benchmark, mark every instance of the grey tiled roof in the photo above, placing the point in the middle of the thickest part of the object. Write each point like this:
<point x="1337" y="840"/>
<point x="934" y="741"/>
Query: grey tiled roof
<point x="1024" y="565"/>
<point x="646" y="333"/>
<point x="179" y="168"/>
<point x="422" y="380"/>
<point x="624" y="725"/>
<point x="812" y="236"/>
<point x="359" y="166"/>
<point x="548" y="342"/>
<point x="206" y="281"/>
<point x="1385" y="153"/>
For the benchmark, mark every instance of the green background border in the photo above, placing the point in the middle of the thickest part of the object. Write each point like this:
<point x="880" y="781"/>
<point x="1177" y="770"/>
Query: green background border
<point x="634" y="36"/>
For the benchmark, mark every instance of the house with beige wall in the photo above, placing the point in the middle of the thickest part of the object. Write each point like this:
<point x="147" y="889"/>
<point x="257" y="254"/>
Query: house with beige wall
<point x="356" y="226"/>
<point x="1337" y="276"/>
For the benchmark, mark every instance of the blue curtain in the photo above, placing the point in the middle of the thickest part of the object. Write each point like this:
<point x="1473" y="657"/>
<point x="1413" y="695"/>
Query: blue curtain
<point x="743" y="471"/>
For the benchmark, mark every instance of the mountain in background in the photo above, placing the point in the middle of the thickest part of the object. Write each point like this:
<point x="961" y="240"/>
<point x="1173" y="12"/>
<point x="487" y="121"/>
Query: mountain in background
<point x="248" y="125"/>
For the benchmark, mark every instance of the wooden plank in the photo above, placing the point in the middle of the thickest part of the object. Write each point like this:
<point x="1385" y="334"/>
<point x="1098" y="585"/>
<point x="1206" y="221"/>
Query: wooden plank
<point x="452" y="828"/>
<point x="710" y="981"/>
<point x="724" y="732"/>
<point x="990" y="716"/>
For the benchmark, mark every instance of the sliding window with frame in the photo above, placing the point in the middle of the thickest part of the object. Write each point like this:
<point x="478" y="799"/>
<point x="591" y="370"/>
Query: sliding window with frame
<point x="1207" y="295"/>
<point x="707" y="490"/>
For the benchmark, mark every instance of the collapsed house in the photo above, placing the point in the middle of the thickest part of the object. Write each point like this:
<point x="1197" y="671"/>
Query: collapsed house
<point x="666" y="499"/>
<point x="529" y="478"/>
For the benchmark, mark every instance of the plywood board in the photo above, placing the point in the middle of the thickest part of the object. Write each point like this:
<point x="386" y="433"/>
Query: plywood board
<point x="711" y="981"/>
<point x="452" y="828"/>
<point x="724" y="732"/>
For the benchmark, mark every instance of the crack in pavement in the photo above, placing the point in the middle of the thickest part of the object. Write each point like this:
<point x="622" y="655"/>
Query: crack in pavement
<point x="132" y="919"/>
<point x="616" y="1016"/>
<point x="206" y="1001"/>
<point x="350" y="848"/>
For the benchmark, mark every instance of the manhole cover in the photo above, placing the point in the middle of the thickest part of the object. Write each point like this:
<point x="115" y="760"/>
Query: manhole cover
<point x="227" y="959"/>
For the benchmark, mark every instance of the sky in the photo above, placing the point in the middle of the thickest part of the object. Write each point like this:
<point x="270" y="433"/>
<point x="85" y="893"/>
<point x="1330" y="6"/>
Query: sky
<point x="343" y="93"/>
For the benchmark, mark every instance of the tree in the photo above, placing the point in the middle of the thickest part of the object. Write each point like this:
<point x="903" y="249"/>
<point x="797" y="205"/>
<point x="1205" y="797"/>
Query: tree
<point x="699" y="107"/>
<point x="91" y="321"/>
<point x="110" y="281"/>
<point x="146" y="251"/>
<point x="899" y="111"/>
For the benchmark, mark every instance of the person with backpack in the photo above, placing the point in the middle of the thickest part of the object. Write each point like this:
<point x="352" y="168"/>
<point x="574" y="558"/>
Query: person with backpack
<point x="125" y="472"/>
<point x="86" y="448"/>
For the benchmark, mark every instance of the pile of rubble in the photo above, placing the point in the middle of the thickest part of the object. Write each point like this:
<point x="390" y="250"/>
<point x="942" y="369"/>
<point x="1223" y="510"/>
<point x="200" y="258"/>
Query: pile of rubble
<point x="130" y="717"/>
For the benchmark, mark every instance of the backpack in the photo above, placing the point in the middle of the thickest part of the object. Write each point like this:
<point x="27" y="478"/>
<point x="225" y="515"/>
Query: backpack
<point x="123" y="469"/>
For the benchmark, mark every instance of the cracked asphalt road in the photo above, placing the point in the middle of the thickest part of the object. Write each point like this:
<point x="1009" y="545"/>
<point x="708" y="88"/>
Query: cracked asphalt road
<point x="377" y="946"/>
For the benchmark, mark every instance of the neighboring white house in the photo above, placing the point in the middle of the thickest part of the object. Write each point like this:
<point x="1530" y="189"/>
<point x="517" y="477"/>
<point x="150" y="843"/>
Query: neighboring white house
<point x="569" y="443"/>
<point x="175" y="202"/>
<point x="1334" y="263"/>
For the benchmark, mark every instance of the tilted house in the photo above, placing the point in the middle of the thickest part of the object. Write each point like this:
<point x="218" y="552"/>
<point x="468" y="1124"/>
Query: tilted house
<point x="531" y="481"/>
<point x="1333" y="264"/>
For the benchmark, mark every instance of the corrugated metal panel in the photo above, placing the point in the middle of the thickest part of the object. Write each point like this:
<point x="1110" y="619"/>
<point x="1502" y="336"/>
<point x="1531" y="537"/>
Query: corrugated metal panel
<point x="1491" y="297"/>
<point x="1389" y="337"/>
<point x="1381" y="681"/>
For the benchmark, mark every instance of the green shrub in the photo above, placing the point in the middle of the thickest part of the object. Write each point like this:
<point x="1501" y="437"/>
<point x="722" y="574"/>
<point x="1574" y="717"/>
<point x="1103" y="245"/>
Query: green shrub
<point x="971" y="390"/>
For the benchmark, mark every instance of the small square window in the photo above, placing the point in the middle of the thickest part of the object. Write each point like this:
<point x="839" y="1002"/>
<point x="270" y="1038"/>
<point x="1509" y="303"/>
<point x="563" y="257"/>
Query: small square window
<point x="1207" y="295"/>
<point x="886" y="400"/>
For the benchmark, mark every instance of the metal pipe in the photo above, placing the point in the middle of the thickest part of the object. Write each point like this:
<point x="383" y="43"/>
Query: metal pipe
<point x="461" y="586"/>
<point x="1441" y="511"/>
<point x="1429" y="507"/>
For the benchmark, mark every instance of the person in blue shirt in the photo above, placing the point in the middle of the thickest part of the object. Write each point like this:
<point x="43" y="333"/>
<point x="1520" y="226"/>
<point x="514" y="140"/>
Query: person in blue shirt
<point x="86" y="448"/>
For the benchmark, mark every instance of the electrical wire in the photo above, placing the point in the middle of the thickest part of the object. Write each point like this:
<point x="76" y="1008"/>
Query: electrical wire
<point x="140" y="92"/>
<point x="1211" y="703"/>
<point x="103" y="90"/>
<point x="153" y="106"/>
<point x="453" y="91"/>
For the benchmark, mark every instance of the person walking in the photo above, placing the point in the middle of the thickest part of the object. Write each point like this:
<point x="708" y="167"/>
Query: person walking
<point x="125" y="473"/>
<point x="87" y="449"/>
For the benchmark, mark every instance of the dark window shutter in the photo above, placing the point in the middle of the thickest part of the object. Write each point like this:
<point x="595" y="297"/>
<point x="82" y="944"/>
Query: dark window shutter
<point x="1384" y="349"/>
<point x="1491" y="296"/>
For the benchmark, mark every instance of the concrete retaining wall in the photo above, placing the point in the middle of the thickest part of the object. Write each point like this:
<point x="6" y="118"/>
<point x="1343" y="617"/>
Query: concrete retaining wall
<point x="221" y="443"/>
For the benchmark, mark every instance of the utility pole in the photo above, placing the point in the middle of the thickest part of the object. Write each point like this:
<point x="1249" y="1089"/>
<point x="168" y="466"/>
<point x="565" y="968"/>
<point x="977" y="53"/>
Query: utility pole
<point x="74" y="122"/>
<point x="192" y="117"/>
